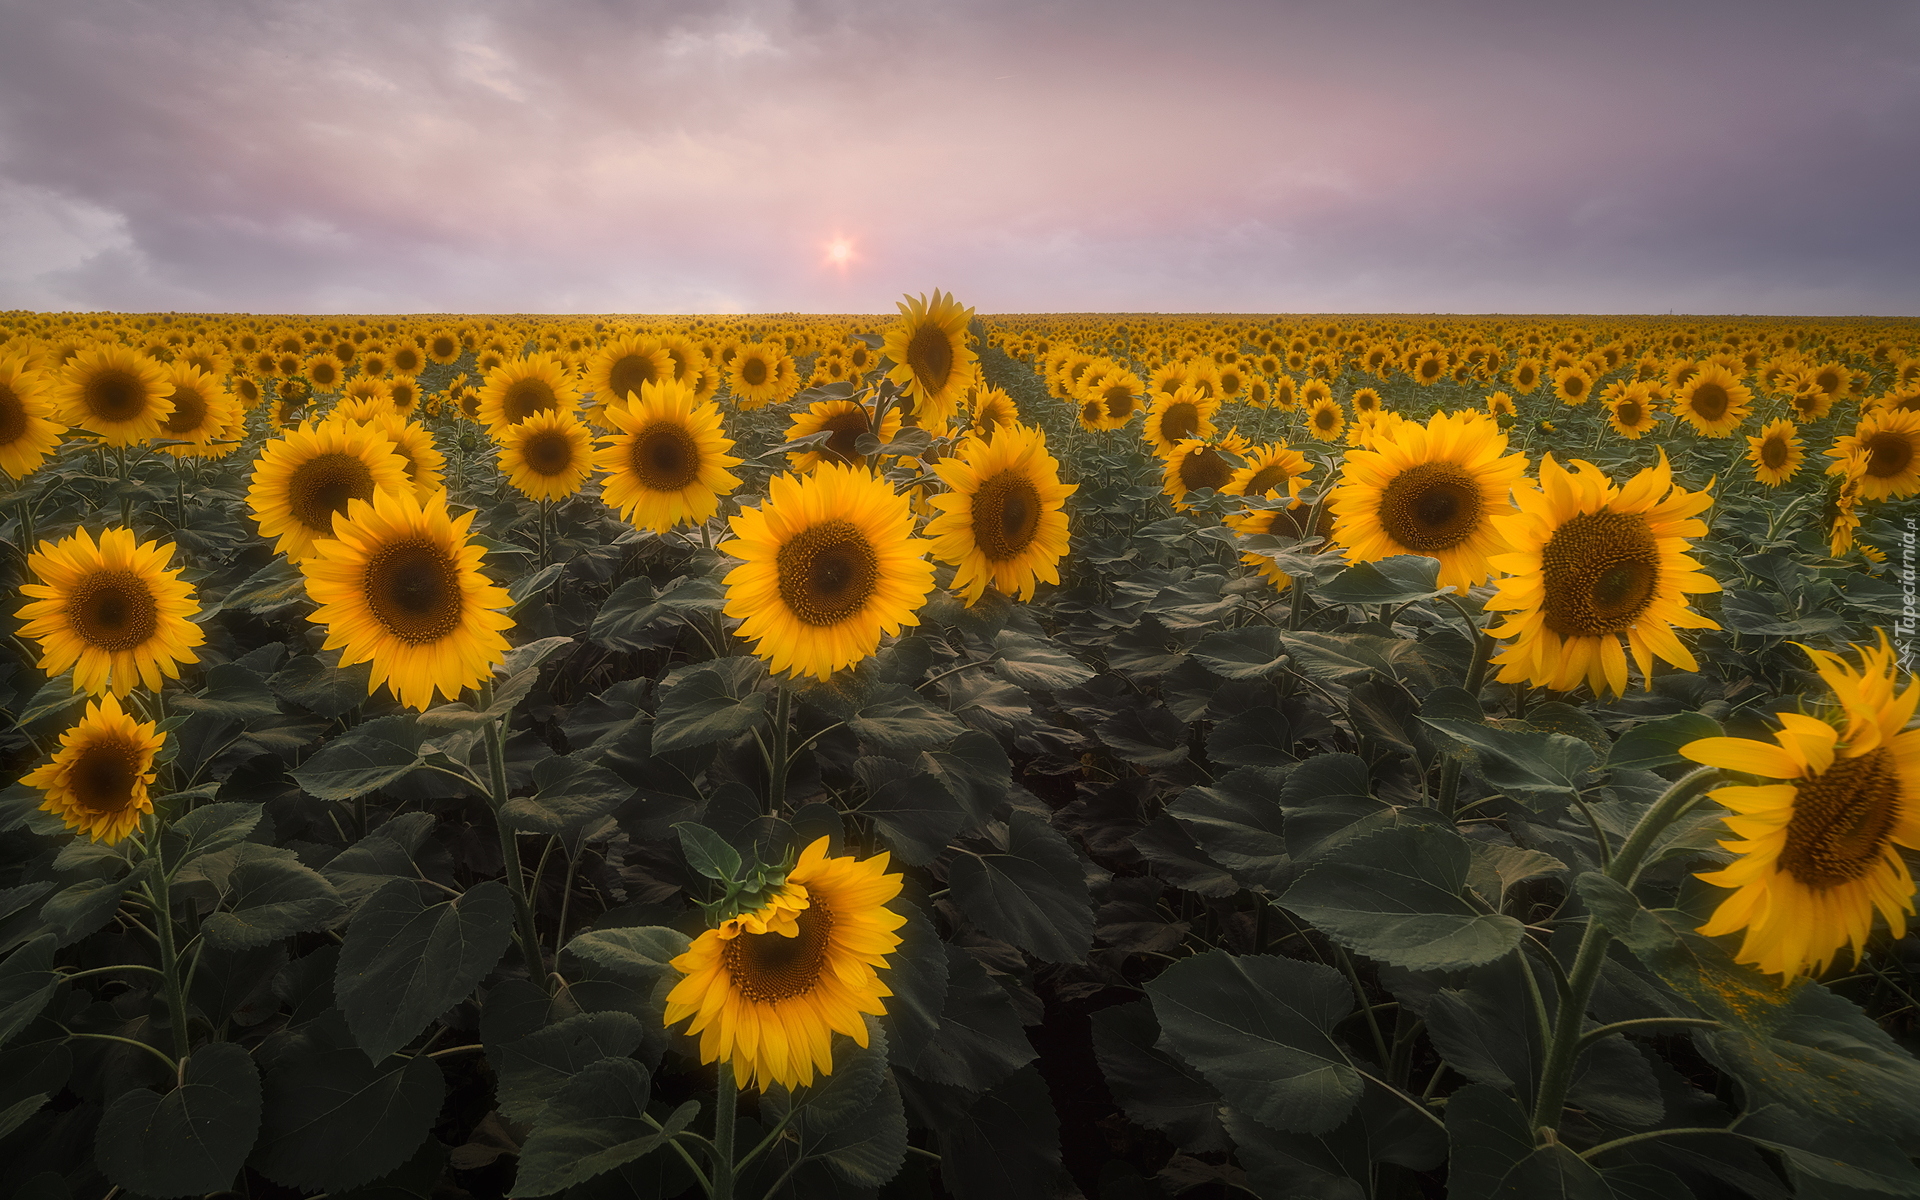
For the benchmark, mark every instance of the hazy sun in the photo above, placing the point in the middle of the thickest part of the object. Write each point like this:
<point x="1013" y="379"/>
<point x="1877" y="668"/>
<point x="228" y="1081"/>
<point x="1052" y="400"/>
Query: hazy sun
<point x="839" y="253"/>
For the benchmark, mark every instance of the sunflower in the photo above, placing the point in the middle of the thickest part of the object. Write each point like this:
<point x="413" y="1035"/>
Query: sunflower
<point x="1819" y="852"/>
<point x="1573" y="385"/>
<point x="97" y="782"/>
<point x="846" y="420"/>
<point x="1196" y="464"/>
<point x="619" y="369"/>
<point x="114" y="393"/>
<point x="399" y="586"/>
<point x="1632" y="408"/>
<point x="761" y="374"/>
<point x="548" y="456"/>
<point x="203" y="413"/>
<point x="1430" y="489"/>
<point x="1775" y="454"/>
<point x="1325" y="421"/>
<point x="1004" y="522"/>
<point x="993" y="409"/>
<point x="111" y="610"/>
<point x="1713" y="401"/>
<point x="1593" y="561"/>
<point x="1841" y="512"/>
<point x="301" y="480"/>
<point x="829" y="564"/>
<point x="1112" y="402"/>
<point x="1365" y="400"/>
<point x="1499" y="404"/>
<point x="443" y="346"/>
<point x="1270" y="469"/>
<point x="768" y="989"/>
<point x="516" y="390"/>
<point x="1886" y="446"/>
<point x="1286" y="395"/>
<point x="667" y="459"/>
<point x="403" y="395"/>
<point x="933" y="365"/>
<point x="28" y="430"/>
<point x="1177" y="417"/>
<point x="1809" y="403"/>
<point x="415" y="446"/>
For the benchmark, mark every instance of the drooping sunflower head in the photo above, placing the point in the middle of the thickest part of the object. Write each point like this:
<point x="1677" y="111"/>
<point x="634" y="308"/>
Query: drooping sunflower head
<point x="667" y="460"/>
<point x="112" y="611"/>
<point x="1004" y="521"/>
<point x="1177" y="417"/>
<point x="1820" y="852"/>
<point x="829" y="563"/>
<point x="1499" y="404"/>
<point x="767" y="990"/>
<point x="98" y="780"/>
<point x="301" y="481"/>
<point x="1593" y="563"/>
<point x="399" y="585"/>
<point x="1272" y="469"/>
<point x="548" y="456"/>
<point x="1713" y="401"/>
<point x="516" y="390"/>
<point x="29" y="430"/>
<point x="1776" y="454"/>
<point x="114" y="392"/>
<point x="1432" y="489"/>
<point x="844" y="421"/>
<point x="933" y="364"/>
<point x="1885" y="447"/>
<point x="993" y="409"/>
<point x="1633" y="409"/>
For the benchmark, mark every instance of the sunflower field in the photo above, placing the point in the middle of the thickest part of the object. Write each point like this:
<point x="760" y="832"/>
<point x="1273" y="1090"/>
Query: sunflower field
<point x="1000" y="758"/>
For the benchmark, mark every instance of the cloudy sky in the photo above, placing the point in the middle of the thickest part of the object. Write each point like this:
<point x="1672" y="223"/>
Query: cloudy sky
<point x="1703" y="156"/>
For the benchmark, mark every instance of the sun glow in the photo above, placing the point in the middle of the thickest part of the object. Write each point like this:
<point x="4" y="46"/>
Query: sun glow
<point x="839" y="253"/>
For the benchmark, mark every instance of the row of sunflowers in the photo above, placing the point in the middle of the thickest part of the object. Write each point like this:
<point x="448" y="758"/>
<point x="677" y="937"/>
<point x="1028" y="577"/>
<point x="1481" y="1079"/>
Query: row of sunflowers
<point x="727" y="756"/>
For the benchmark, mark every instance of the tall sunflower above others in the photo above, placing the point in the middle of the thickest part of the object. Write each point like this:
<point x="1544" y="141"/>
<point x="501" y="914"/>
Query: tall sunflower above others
<point x="111" y="610"/>
<point x="933" y="364"/>
<point x="1820" y="851"/>
<point x="829" y="563"/>
<point x="767" y="990"/>
<point x="1592" y="563"/>
<point x="1437" y="489"/>
<point x="399" y="586"/>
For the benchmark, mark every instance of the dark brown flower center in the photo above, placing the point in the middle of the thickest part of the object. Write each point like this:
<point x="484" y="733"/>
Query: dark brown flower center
<point x="104" y="774"/>
<point x="1006" y="515"/>
<point x="1431" y="506"/>
<point x="1203" y="467"/>
<point x="664" y="457"/>
<point x="321" y="487"/>
<point x="769" y="968"/>
<point x="1326" y="418"/>
<point x="1888" y="454"/>
<point x="827" y="572"/>
<point x="1841" y="819"/>
<point x="189" y="412"/>
<point x="113" y="610"/>
<point x="1180" y="422"/>
<point x="548" y="452"/>
<point x="630" y="371"/>
<point x="1601" y="570"/>
<point x="408" y="360"/>
<point x="413" y="590"/>
<point x="1629" y="413"/>
<point x="1710" y="401"/>
<point x="1269" y="478"/>
<point x="1119" y="401"/>
<point x="524" y="398"/>
<point x="443" y="346"/>
<point x="114" y="394"/>
<point x="753" y="372"/>
<point x="930" y="357"/>
<point x="13" y="416"/>
<point x="1773" y="452"/>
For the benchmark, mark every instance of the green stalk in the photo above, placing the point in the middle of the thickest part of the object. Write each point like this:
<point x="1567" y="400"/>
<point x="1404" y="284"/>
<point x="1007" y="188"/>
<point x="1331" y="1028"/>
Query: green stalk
<point x="162" y="899"/>
<point x="510" y="847"/>
<point x="1557" y="1075"/>
<point x="725" y="1099"/>
<point x="777" y="779"/>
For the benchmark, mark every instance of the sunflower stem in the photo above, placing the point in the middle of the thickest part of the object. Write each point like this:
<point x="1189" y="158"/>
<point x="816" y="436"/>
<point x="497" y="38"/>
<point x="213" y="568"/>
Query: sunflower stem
<point x="777" y="778"/>
<point x="1557" y="1074"/>
<point x="510" y="846"/>
<point x="726" y="1098"/>
<point x="169" y="958"/>
<point x="546" y="521"/>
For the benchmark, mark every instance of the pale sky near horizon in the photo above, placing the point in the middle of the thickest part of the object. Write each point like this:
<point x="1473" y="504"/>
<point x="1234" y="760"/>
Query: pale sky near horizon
<point x="1705" y="156"/>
